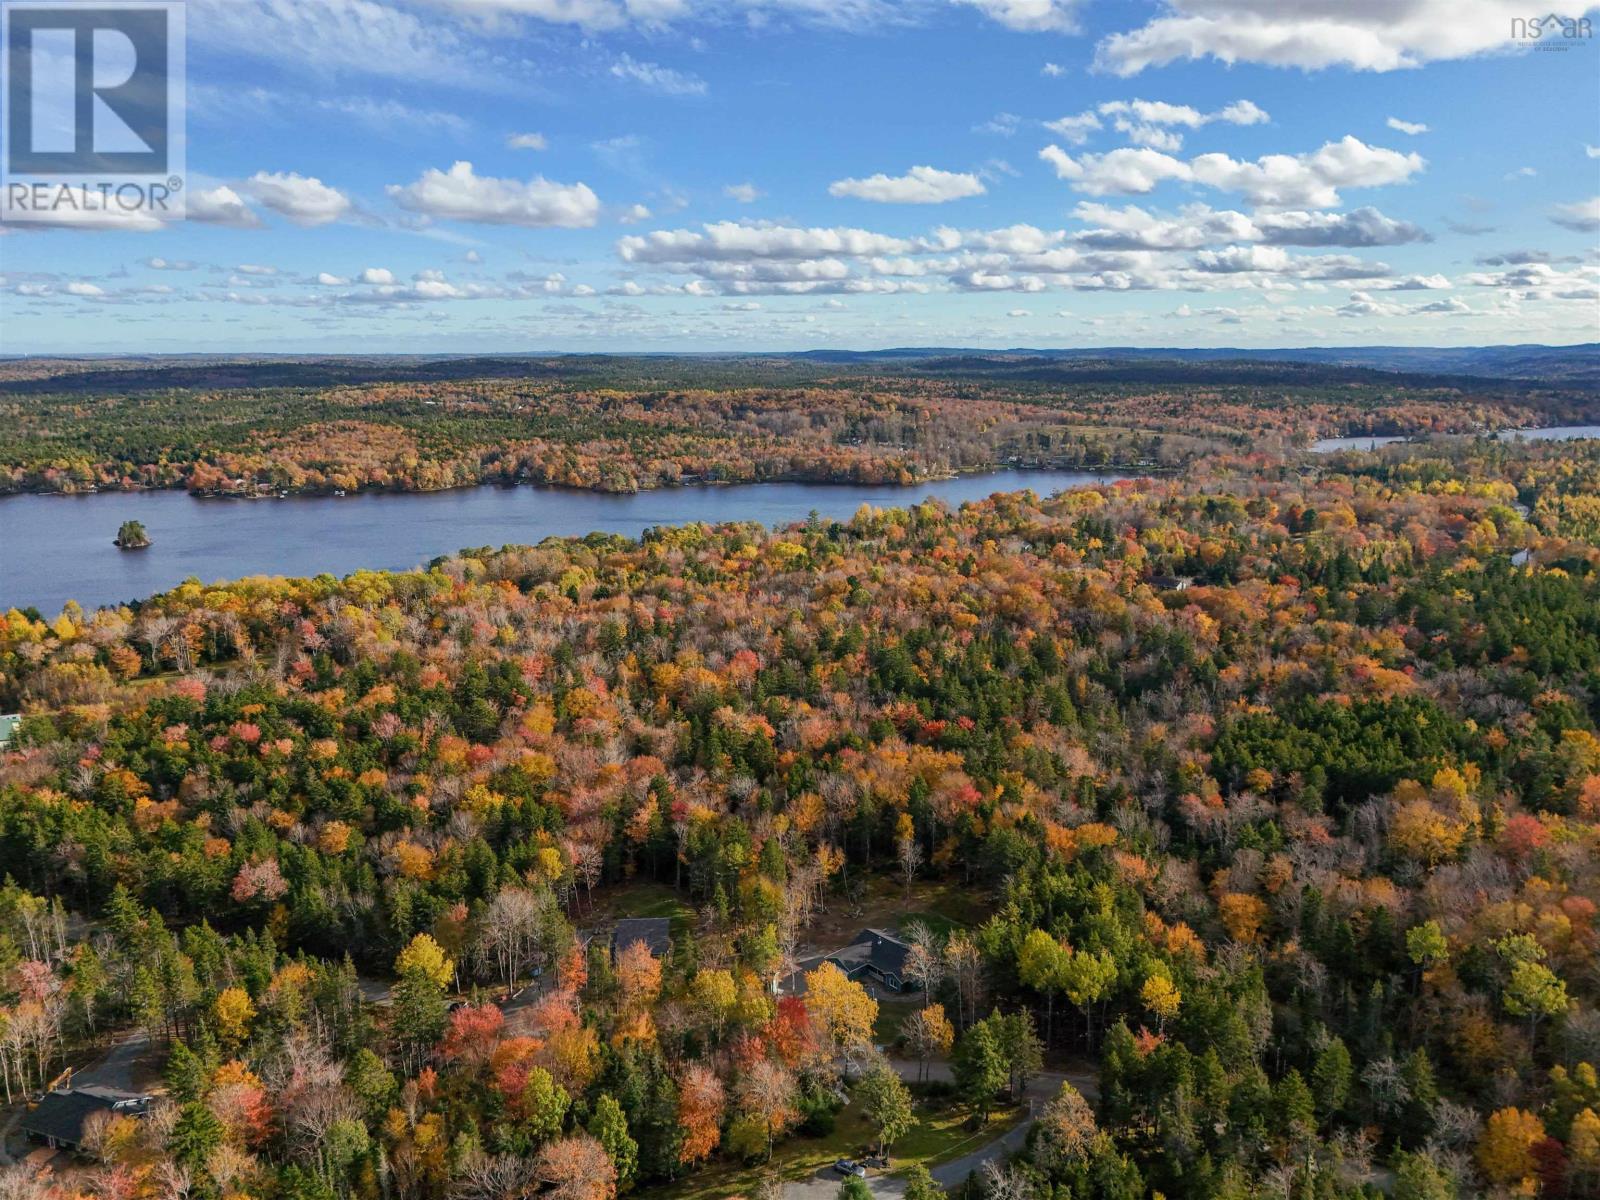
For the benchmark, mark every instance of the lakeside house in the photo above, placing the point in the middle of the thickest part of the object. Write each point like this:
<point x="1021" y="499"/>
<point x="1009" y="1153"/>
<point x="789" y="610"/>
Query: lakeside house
<point x="60" y="1119"/>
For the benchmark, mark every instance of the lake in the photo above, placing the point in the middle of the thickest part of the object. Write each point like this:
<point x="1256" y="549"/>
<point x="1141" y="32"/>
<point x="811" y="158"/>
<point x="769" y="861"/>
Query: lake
<point x="1550" y="433"/>
<point x="56" y="548"/>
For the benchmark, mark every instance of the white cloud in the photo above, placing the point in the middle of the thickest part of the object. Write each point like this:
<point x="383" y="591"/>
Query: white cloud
<point x="920" y="185"/>
<point x="1313" y="34"/>
<point x="527" y="141"/>
<point x="1582" y="216"/>
<point x="305" y="200"/>
<point x="220" y="206"/>
<point x="1411" y="127"/>
<point x="734" y="241"/>
<point x="1075" y="129"/>
<point x="1053" y="70"/>
<point x="337" y="37"/>
<point x="328" y="279"/>
<point x="658" y="78"/>
<point x="461" y="195"/>
<point x="1591" y="151"/>
<point x="633" y="214"/>
<point x="1125" y="171"/>
<point x="1030" y="16"/>
<point x="378" y="275"/>
<point x="744" y="193"/>
<point x="1149" y="122"/>
<point x="255" y="269"/>
<point x="1307" y="180"/>
<point x="84" y="289"/>
<point x="1017" y="314"/>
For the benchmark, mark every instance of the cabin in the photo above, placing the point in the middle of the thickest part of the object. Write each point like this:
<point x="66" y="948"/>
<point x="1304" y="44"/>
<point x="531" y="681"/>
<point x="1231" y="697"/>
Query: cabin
<point x="59" y="1120"/>
<point x="1170" y="583"/>
<point x="654" y="932"/>
<point x="876" y="954"/>
<point x="9" y="724"/>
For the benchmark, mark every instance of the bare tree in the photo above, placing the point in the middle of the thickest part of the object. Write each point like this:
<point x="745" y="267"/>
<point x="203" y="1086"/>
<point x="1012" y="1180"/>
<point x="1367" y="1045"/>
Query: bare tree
<point x="924" y="965"/>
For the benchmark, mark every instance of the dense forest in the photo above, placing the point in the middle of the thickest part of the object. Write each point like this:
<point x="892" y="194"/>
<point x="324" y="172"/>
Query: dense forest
<point x="1241" y="824"/>
<point x="221" y="428"/>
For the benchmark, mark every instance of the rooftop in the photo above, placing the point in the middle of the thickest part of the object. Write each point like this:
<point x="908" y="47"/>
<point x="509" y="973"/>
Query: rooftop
<point x="654" y="932"/>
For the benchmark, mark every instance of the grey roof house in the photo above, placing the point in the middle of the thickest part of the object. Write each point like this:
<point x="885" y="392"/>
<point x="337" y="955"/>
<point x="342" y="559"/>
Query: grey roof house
<point x="59" y="1119"/>
<point x="654" y="932"/>
<point x="878" y="955"/>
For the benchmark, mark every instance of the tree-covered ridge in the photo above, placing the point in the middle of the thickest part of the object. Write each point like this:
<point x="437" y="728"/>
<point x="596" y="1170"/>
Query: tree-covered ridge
<point x="584" y="428"/>
<point x="1301" y="857"/>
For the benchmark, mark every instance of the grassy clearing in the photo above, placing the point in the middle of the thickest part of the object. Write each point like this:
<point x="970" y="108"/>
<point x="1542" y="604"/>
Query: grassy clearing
<point x="612" y="904"/>
<point x="938" y="1137"/>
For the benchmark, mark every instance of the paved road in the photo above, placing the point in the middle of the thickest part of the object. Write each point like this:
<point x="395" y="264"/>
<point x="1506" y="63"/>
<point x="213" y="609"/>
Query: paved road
<point x="115" y="1068"/>
<point x="1042" y="1088"/>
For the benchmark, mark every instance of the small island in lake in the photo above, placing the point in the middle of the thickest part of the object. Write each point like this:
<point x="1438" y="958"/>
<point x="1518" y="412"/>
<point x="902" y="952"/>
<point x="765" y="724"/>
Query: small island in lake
<point x="132" y="536"/>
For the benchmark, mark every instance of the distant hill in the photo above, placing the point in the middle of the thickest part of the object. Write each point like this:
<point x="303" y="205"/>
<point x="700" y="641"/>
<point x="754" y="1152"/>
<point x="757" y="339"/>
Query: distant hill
<point x="1551" y="364"/>
<point x="1516" y="366"/>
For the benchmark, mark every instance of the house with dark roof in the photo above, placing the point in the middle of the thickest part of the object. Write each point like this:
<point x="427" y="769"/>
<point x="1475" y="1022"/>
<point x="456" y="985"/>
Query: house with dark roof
<point x="654" y="932"/>
<point x="60" y="1118"/>
<point x="876" y="954"/>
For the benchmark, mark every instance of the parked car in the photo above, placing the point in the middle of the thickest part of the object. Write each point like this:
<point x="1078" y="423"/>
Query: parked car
<point x="846" y="1167"/>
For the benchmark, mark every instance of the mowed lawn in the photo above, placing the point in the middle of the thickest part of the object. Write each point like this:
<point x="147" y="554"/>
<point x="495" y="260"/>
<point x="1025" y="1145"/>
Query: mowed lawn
<point x="938" y="1137"/>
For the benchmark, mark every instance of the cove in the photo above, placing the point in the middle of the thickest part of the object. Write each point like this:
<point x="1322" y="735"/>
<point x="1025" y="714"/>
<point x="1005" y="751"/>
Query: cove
<point x="58" y="548"/>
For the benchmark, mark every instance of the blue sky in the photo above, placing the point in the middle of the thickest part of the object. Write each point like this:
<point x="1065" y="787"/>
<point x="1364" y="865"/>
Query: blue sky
<point x="553" y="175"/>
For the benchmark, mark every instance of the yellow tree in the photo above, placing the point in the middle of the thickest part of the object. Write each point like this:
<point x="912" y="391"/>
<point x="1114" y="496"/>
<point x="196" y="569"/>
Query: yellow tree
<point x="638" y="975"/>
<point x="1505" y="1150"/>
<point x="233" y="1011"/>
<point x="1162" y="997"/>
<point x="840" y="1010"/>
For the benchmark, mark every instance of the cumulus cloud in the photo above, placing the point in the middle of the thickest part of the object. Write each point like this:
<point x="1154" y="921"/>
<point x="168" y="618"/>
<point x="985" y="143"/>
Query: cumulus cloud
<point x="744" y="193"/>
<point x="1582" y="216"/>
<point x="633" y="214"/>
<point x="1411" y="127"/>
<point x="1309" y="180"/>
<point x="329" y="279"/>
<point x="1030" y="16"/>
<point x="1151" y="122"/>
<point x="1276" y="180"/>
<point x="461" y="195"/>
<point x="734" y="241"/>
<point x="305" y="200"/>
<point x="920" y="185"/>
<point x="220" y="206"/>
<point x="378" y="275"/>
<point x="658" y="78"/>
<point x="1125" y="171"/>
<point x="733" y="259"/>
<point x="527" y="141"/>
<point x="1314" y="34"/>
<point x="1052" y="70"/>
<point x="1075" y="129"/>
